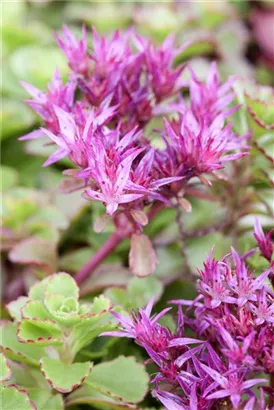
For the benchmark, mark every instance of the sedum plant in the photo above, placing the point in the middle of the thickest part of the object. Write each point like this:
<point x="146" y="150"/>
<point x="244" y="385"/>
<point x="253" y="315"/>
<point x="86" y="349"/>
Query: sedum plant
<point x="49" y="330"/>
<point x="168" y="162"/>
<point x="100" y="120"/>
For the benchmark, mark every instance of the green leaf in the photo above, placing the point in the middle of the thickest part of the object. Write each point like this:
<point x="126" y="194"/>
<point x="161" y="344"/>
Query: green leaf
<point x="34" y="309"/>
<point x="89" y="328"/>
<point x="9" y="177"/>
<point x="45" y="399"/>
<point x="63" y="310"/>
<point x="87" y="395"/>
<point x="40" y="332"/>
<point x="74" y="260"/>
<point x="197" y="48"/>
<point x="64" y="377"/>
<point x="35" y="64"/>
<point x="170" y="263"/>
<point x="19" y="378"/>
<point x="5" y="369"/>
<point x="37" y="291"/>
<point x="120" y="379"/>
<point x="100" y="305"/>
<point x="107" y="275"/>
<point x="35" y="251"/>
<point x="198" y="248"/>
<point x="62" y="284"/>
<point x="14" y="307"/>
<point x="141" y="290"/>
<point x="14" y="350"/>
<point x="13" y="398"/>
<point x="50" y="215"/>
<point x="261" y="116"/>
<point x="16" y="118"/>
<point x="118" y="297"/>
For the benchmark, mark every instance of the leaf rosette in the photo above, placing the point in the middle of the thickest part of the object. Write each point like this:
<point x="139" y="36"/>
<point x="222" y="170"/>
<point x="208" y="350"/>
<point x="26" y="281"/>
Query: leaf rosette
<point x="53" y="316"/>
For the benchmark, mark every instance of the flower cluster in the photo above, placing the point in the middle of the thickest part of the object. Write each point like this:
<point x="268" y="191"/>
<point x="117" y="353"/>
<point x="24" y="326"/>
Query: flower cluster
<point x="98" y="120"/>
<point x="232" y="322"/>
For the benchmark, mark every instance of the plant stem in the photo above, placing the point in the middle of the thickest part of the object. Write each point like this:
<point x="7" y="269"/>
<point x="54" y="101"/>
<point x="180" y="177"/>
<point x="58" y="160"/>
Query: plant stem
<point x="112" y="242"/>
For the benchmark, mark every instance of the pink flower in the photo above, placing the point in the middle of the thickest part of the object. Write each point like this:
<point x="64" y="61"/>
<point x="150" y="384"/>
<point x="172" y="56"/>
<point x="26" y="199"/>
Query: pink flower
<point x="264" y="312"/>
<point x="74" y="140"/>
<point x="75" y="51"/>
<point x="194" y="148"/>
<point x="231" y="383"/>
<point x="211" y="98"/>
<point x="242" y="284"/>
<point x="213" y="284"/>
<point x="264" y="241"/>
<point x="43" y="103"/>
<point x="144" y="328"/>
<point x="165" y="80"/>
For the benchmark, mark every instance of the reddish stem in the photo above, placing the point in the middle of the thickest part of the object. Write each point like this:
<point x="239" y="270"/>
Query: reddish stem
<point x="112" y="242"/>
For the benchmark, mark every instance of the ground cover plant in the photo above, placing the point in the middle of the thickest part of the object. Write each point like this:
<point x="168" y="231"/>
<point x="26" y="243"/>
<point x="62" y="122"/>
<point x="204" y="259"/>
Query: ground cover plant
<point x="137" y="179"/>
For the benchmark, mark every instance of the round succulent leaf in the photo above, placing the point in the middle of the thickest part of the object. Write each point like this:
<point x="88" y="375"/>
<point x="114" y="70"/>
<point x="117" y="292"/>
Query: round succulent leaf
<point x="19" y="371"/>
<point x="13" y="397"/>
<point x="121" y="379"/>
<point x="39" y="332"/>
<point x="14" y="350"/>
<point x="142" y="257"/>
<point x="64" y="377"/>
<point x="14" y="307"/>
<point x="35" y="309"/>
<point x="62" y="284"/>
<point x="37" y="291"/>
<point x="35" y="251"/>
<point x="5" y="369"/>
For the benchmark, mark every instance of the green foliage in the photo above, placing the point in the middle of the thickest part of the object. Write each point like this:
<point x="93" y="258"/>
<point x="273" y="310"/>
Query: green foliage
<point x="131" y="386"/>
<point x="64" y="377"/>
<point x="50" y="327"/>
<point x="103" y="388"/>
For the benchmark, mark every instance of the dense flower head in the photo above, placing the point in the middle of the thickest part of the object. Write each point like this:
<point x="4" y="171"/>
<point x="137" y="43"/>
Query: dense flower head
<point x="231" y="344"/>
<point x="98" y="119"/>
<point x="264" y="242"/>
